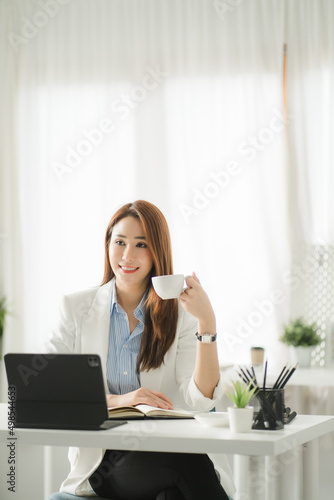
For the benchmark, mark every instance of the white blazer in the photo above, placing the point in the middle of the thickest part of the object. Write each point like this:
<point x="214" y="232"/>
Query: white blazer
<point x="84" y="329"/>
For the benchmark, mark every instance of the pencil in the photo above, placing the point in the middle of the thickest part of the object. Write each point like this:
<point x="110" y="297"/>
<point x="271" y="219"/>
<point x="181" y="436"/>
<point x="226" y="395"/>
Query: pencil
<point x="279" y="377"/>
<point x="253" y="371"/>
<point x="249" y="374"/>
<point x="242" y="378"/>
<point x="287" y="378"/>
<point x="265" y="375"/>
<point x="244" y="374"/>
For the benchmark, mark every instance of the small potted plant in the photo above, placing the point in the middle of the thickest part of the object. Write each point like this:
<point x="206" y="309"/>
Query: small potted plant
<point x="3" y="314"/>
<point x="301" y="337"/>
<point x="241" y="415"/>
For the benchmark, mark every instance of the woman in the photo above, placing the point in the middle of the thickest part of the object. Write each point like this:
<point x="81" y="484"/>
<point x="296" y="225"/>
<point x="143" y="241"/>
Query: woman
<point x="150" y="355"/>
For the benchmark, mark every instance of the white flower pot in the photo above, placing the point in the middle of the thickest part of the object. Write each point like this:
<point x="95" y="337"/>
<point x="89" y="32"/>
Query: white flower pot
<point x="240" y="419"/>
<point x="301" y="355"/>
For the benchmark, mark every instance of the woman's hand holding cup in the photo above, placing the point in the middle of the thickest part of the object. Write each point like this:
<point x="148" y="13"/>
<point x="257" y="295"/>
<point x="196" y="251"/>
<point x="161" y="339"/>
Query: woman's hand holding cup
<point x="192" y="297"/>
<point x="195" y="301"/>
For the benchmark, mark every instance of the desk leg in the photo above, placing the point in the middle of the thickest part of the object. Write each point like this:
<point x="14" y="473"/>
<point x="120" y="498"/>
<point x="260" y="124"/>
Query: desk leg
<point x="272" y="479"/>
<point x="241" y="474"/>
<point x="29" y="473"/>
<point x="250" y="478"/>
<point x="290" y="481"/>
<point x="257" y="479"/>
<point x="269" y="478"/>
<point x="311" y="470"/>
<point x="48" y="471"/>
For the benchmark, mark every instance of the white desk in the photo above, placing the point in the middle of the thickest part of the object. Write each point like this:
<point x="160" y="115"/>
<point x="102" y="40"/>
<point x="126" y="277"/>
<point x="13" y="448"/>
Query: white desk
<point x="296" y="444"/>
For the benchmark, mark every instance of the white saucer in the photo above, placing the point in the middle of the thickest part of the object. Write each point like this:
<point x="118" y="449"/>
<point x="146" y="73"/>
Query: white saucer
<point x="213" y="419"/>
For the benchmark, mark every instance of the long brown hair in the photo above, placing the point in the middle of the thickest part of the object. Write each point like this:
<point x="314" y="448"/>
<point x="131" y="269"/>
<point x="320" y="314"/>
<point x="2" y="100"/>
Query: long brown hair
<point x="161" y="315"/>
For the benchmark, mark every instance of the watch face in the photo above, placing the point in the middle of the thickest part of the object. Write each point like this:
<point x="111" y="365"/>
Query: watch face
<point x="206" y="338"/>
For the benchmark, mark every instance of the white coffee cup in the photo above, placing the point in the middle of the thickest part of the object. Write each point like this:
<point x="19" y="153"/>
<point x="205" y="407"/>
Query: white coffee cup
<point x="169" y="286"/>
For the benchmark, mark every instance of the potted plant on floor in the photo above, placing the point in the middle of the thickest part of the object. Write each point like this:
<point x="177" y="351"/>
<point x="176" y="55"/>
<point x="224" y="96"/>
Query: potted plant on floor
<point x="301" y="337"/>
<point x="241" y="415"/>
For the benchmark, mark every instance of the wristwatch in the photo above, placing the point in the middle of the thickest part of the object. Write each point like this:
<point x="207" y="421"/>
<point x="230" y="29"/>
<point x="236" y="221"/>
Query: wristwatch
<point x="206" y="338"/>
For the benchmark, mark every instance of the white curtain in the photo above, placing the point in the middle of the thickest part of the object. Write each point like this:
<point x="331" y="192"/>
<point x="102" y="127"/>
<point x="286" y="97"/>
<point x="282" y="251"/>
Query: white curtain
<point x="310" y="83"/>
<point x="177" y="102"/>
<point x="310" y="98"/>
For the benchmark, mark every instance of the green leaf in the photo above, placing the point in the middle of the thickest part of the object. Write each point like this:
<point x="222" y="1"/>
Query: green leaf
<point x="242" y="393"/>
<point x="299" y="333"/>
<point x="3" y="313"/>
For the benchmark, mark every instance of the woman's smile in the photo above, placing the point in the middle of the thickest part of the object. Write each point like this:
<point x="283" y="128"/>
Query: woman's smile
<point x="128" y="269"/>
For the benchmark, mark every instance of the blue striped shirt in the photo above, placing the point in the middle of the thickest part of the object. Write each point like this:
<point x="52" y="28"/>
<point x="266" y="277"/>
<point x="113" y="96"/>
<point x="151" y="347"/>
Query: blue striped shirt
<point x="123" y="348"/>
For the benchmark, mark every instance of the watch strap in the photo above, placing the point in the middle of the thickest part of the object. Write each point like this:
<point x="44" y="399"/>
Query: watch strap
<point x="206" y="338"/>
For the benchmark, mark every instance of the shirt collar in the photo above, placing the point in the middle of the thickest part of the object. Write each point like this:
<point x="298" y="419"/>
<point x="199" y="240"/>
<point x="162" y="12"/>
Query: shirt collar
<point x="139" y="312"/>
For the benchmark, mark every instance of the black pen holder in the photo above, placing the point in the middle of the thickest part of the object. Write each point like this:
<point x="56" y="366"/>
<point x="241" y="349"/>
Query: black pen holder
<point x="271" y="411"/>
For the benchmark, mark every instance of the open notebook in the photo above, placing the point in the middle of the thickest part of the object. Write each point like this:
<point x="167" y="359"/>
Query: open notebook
<point x="142" y="411"/>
